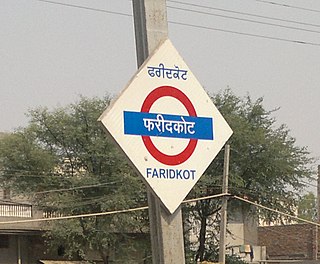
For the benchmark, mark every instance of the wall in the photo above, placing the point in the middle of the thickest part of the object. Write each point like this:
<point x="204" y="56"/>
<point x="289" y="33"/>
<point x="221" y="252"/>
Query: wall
<point x="296" y="241"/>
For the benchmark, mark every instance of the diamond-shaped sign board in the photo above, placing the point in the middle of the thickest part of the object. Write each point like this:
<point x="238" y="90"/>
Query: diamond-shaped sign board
<point x="167" y="125"/>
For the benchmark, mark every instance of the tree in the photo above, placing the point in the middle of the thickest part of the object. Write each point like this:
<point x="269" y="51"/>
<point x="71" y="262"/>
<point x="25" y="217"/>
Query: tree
<point x="307" y="208"/>
<point x="66" y="150"/>
<point x="64" y="162"/>
<point x="266" y="166"/>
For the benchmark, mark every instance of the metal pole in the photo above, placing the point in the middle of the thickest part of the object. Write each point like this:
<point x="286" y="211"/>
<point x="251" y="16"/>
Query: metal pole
<point x="151" y="28"/>
<point x="223" y="223"/>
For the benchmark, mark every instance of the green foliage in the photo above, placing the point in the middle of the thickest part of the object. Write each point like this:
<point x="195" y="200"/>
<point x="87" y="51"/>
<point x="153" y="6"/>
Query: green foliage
<point x="65" y="163"/>
<point x="66" y="149"/>
<point x="266" y="166"/>
<point x="307" y="207"/>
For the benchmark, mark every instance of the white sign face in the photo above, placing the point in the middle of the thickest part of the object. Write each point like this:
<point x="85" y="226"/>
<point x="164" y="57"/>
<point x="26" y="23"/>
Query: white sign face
<point x="167" y="125"/>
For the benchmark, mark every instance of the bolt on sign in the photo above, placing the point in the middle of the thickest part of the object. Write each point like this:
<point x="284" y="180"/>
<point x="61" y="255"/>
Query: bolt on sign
<point x="167" y="125"/>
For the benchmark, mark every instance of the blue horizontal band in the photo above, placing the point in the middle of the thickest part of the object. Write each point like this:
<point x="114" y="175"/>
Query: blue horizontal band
<point x="165" y="125"/>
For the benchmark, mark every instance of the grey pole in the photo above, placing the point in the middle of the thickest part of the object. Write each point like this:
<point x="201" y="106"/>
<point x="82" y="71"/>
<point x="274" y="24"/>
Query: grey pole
<point x="151" y="28"/>
<point x="223" y="224"/>
<point x="318" y="195"/>
<point x="316" y="228"/>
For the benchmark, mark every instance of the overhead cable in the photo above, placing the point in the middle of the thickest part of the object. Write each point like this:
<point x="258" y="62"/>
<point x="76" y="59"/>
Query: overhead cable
<point x="245" y="20"/>
<point x="246" y="34"/>
<point x="276" y="211"/>
<point x="289" y="6"/>
<point x="78" y="187"/>
<point x="146" y="207"/>
<point x="103" y="213"/>
<point x="75" y="216"/>
<point x="193" y="25"/>
<point x="85" y="7"/>
<point x="244" y="13"/>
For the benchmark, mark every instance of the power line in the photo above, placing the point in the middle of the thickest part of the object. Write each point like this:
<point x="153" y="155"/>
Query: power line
<point x="245" y="20"/>
<point x="246" y="34"/>
<point x="86" y="8"/>
<point x="276" y="211"/>
<point x="288" y="6"/>
<point x="73" y="203"/>
<point x="146" y="207"/>
<point x="107" y="185"/>
<point x="184" y="9"/>
<point x="76" y="216"/>
<point x="77" y="188"/>
<point x="244" y="13"/>
<point x="76" y="201"/>
<point x="195" y="26"/>
<point x="105" y="213"/>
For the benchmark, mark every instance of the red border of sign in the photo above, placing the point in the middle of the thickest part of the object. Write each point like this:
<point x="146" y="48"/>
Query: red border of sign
<point x="148" y="102"/>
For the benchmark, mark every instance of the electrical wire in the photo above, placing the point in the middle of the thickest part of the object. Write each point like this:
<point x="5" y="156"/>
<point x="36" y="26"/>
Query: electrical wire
<point x="247" y="34"/>
<point x="194" y="26"/>
<point x="276" y="211"/>
<point x="76" y="216"/>
<point x="243" y="19"/>
<point x="86" y="8"/>
<point x="76" y="202"/>
<point x="207" y="197"/>
<point x="246" y="14"/>
<point x="106" y="185"/>
<point x="288" y="6"/>
<point x="202" y="27"/>
<point x="77" y="188"/>
<point x="146" y="207"/>
<point x="104" y="213"/>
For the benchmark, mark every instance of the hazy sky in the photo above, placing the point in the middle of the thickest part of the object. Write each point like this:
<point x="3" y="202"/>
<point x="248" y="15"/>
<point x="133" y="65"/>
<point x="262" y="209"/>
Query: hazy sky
<point x="52" y="53"/>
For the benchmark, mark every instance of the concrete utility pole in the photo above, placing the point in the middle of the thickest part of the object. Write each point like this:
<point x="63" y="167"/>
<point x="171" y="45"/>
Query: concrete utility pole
<point x="316" y="228"/>
<point x="151" y="28"/>
<point x="318" y="195"/>
<point x="223" y="223"/>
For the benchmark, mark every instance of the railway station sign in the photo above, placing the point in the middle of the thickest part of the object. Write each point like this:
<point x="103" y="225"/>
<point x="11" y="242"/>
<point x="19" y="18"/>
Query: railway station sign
<point x="167" y="125"/>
